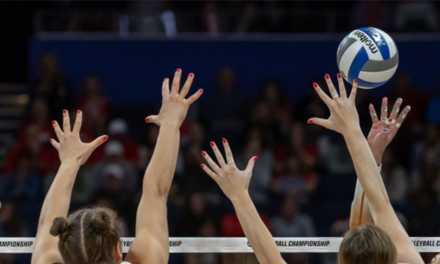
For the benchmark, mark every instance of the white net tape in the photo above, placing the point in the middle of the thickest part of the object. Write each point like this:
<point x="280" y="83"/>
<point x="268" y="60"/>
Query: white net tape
<point x="232" y="245"/>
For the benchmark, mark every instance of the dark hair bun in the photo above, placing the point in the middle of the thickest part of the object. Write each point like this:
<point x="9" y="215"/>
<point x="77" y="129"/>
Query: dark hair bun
<point x="60" y="227"/>
<point x="101" y="221"/>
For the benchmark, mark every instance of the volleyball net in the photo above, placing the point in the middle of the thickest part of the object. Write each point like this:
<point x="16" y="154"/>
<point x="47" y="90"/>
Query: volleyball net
<point x="232" y="245"/>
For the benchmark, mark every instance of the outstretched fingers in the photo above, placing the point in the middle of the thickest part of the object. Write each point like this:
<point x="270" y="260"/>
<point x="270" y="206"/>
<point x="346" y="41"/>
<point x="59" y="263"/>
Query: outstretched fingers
<point x="66" y="122"/>
<point x="228" y="152"/>
<point x="373" y="114"/>
<point x="58" y="131"/>
<point x="396" y="110"/>
<point x="324" y="97"/>
<point x="354" y="90"/>
<point x="251" y="164"/>
<point x="384" y="110"/>
<point x="320" y="122"/>
<point x="209" y="172"/>
<point x="402" y="116"/>
<point x="78" y="122"/>
<point x="333" y="93"/>
<point x="218" y="155"/>
<point x="54" y="143"/>
<point x="194" y="97"/>
<point x="187" y="85"/>
<point x="98" y="142"/>
<point x="211" y="162"/>
<point x="342" y="90"/>
<point x="176" y="82"/>
<point x="165" y="87"/>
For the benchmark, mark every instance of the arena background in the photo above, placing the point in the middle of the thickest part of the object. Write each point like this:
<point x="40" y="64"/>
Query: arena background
<point x="256" y="61"/>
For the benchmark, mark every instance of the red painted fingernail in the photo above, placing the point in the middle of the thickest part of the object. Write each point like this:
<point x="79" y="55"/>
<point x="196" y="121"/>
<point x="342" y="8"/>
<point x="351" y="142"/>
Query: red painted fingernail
<point x="255" y="158"/>
<point x="355" y="81"/>
<point x="64" y="111"/>
<point x="203" y="153"/>
<point x="178" y="70"/>
<point x="203" y="166"/>
<point x="339" y="75"/>
<point x="147" y="120"/>
<point x="327" y="76"/>
<point x="224" y="140"/>
<point x="315" y="85"/>
<point x="166" y="79"/>
<point x="105" y="138"/>
<point x="54" y="122"/>
<point x="79" y="111"/>
<point x="50" y="140"/>
<point x="309" y="121"/>
<point x="191" y="75"/>
<point x="212" y="144"/>
<point x="390" y="119"/>
<point x="201" y="91"/>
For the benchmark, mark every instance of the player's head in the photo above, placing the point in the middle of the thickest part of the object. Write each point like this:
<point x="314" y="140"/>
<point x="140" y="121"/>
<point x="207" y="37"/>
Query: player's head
<point x="88" y="236"/>
<point x="367" y="245"/>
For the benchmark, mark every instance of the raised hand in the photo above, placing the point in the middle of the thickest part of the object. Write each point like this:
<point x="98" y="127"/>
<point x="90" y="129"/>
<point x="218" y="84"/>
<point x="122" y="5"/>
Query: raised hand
<point x="69" y="145"/>
<point x="231" y="180"/>
<point x="343" y="114"/>
<point x="174" y="105"/>
<point x="383" y="131"/>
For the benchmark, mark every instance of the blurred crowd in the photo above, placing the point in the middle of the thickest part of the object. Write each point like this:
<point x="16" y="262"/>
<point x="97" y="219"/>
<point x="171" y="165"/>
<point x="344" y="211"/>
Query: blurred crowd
<point x="302" y="184"/>
<point x="214" y="17"/>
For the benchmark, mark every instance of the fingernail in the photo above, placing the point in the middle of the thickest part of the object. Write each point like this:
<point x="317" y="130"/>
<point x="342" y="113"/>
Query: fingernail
<point x="399" y="100"/>
<point x="166" y="79"/>
<point x="309" y="121"/>
<point x="201" y="91"/>
<point x="390" y="119"/>
<point x="315" y="85"/>
<point x="64" y="111"/>
<point x="147" y="120"/>
<point x="408" y="107"/>
<point x="178" y="70"/>
<point x="256" y="157"/>
<point x="50" y="140"/>
<point x="355" y="81"/>
<point x="54" y="122"/>
<point x="79" y="111"/>
<point x="339" y="75"/>
<point x="105" y="138"/>
<point x="327" y="76"/>
<point x="203" y="153"/>
<point x="212" y="144"/>
<point x="191" y="75"/>
<point x="203" y="166"/>
<point x="224" y="140"/>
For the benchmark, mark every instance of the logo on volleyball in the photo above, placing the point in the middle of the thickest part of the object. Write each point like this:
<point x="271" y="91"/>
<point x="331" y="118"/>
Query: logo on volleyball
<point x="368" y="55"/>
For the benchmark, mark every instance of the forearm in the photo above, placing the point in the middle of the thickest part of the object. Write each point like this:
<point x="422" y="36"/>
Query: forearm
<point x="160" y="171"/>
<point x="256" y="232"/>
<point x="366" y="168"/>
<point x="58" y="197"/>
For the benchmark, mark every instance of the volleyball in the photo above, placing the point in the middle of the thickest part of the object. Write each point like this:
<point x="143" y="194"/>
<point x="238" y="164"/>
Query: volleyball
<point x="369" y="55"/>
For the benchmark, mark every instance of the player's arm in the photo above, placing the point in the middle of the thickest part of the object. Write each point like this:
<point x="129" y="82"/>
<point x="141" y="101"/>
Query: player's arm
<point x="73" y="153"/>
<point x="345" y="120"/>
<point x="378" y="141"/>
<point x="151" y="244"/>
<point x="234" y="184"/>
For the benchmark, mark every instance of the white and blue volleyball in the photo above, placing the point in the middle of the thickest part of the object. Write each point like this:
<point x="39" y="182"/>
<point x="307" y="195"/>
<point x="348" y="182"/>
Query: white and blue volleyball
<point x="369" y="55"/>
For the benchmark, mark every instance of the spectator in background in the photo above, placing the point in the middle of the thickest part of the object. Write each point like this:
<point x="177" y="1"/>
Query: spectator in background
<point x="433" y="116"/>
<point x="24" y="188"/>
<point x="94" y="104"/>
<point x="429" y="141"/>
<point x="274" y="96"/>
<point x="395" y="178"/>
<point x="291" y="223"/>
<point x="39" y="117"/>
<point x="52" y="86"/>
<point x="118" y="131"/>
<point x="43" y="156"/>
<point x="195" y="215"/>
<point x="426" y="218"/>
<point x="227" y="122"/>
<point x="416" y="16"/>
<point x="207" y="229"/>
<point x="122" y="171"/>
<point x="295" y="181"/>
<point x="10" y="223"/>
<point x="373" y="13"/>
<point x="262" y="173"/>
<point x="428" y="175"/>
<point x="146" y="150"/>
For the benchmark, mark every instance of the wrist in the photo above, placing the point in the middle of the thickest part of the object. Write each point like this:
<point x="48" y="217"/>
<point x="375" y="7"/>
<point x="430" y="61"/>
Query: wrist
<point x="378" y="158"/>
<point x="352" y="131"/>
<point x="170" y="125"/>
<point x="239" y="196"/>
<point x="71" y="164"/>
